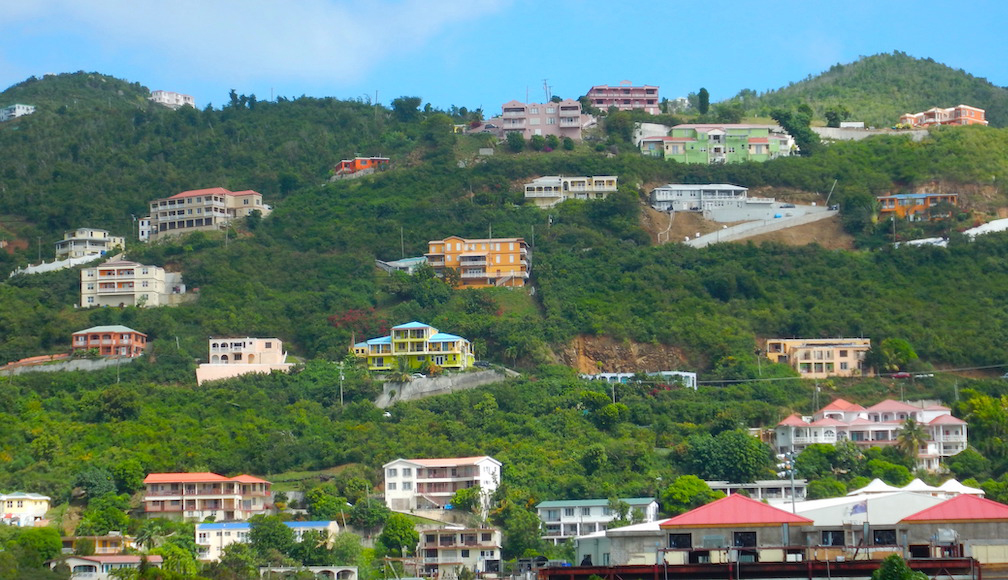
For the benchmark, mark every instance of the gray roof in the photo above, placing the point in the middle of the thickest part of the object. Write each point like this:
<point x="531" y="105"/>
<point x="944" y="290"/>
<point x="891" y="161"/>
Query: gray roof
<point x="115" y="328"/>
<point x="633" y="501"/>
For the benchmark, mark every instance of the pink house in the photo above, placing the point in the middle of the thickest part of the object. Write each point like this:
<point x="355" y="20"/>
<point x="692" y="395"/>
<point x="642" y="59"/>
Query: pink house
<point x="563" y="119"/>
<point x="625" y="97"/>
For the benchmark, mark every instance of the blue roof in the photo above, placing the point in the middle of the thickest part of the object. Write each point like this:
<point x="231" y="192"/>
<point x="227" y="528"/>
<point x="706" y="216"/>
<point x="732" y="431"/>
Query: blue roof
<point x="413" y="324"/>
<point x="444" y="337"/>
<point x="382" y="340"/>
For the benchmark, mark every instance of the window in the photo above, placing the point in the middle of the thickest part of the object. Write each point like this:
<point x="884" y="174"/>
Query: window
<point x="569" y="512"/>
<point x="832" y="538"/>
<point x="270" y="345"/>
<point x="486" y="538"/>
<point x="680" y="541"/>
<point x="391" y="486"/>
<point x="744" y="539"/>
<point x="465" y="553"/>
<point x="586" y="511"/>
<point x="406" y="471"/>
<point x="884" y="537"/>
<point x="392" y="472"/>
<point x="407" y="485"/>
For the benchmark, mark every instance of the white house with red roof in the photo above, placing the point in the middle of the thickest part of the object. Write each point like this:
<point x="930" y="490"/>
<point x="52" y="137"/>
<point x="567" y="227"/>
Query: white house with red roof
<point x="875" y="426"/>
<point x="412" y="484"/>
<point x="201" y="210"/>
<point x="197" y="496"/>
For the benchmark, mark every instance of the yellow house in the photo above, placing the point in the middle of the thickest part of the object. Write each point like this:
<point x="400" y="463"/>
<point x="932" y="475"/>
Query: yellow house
<point x="481" y="262"/>
<point x="817" y="358"/>
<point x="23" y="509"/>
<point x="415" y="343"/>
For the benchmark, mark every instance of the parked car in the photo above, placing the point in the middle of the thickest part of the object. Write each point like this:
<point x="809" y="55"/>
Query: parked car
<point x="900" y="375"/>
<point x="482" y="364"/>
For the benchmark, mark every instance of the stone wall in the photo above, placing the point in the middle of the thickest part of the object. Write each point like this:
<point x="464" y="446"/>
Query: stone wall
<point x="420" y="388"/>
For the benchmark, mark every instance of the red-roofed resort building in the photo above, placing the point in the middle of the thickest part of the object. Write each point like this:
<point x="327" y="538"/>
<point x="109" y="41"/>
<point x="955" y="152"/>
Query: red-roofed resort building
<point x="202" y="210"/>
<point x="875" y="426"/>
<point x="197" y="496"/>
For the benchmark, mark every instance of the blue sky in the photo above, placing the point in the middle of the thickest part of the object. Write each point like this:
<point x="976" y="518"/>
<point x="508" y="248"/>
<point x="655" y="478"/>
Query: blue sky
<point x="483" y="53"/>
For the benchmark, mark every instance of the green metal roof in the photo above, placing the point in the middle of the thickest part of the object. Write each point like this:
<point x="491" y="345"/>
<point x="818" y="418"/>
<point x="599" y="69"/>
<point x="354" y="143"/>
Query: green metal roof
<point x="562" y="503"/>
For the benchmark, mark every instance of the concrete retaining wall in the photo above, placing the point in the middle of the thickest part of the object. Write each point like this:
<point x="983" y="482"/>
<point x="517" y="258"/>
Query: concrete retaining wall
<point x="81" y="364"/>
<point x="750" y="229"/>
<point x="429" y="387"/>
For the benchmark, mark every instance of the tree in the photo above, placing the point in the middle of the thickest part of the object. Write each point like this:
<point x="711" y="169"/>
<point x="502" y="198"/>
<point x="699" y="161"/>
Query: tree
<point x="368" y="515"/>
<point x="313" y="549"/>
<point x="827" y="487"/>
<point x="834" y="115"/>
<point x="468" y="499"/>
<point x="892" y="354"/>
<point x="798" y="125"/>
<point x="969" y="463"/>
<point x="894" y="567"/>
<point x="38" y="545"/>
<point x="515" y="141"/>
<point x="687" y="492"/>
<point x="323" y="503"/>
<point x="177" y="560"/>
<point x="703" y="101"/>
<point x="594" y="458"/>
<point x="346" y="548"/>
<point x="95" y="481"/>
<point x="734" y="456"/>
<point x="911" y="438"/>
<point x="406" y="109"/>
<point x="399" y="535"/>
<point x="104" y="514"/>
<point x="270" y="533"/>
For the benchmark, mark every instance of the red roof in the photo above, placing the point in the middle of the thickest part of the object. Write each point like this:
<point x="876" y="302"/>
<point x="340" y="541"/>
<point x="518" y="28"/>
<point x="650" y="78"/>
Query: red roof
<point x="209" y="191"/>
<point x="890" y="405"/>
<point x="200" y="477"/>
<point x="962" y="508"/>
<point x="734" y="510"/>
<point x="947" y="420"/>
<point x="794" y="420"/>
<point x="828" y="422"/>
<point x="759" y="140"/>
<point x="842" y="405"/>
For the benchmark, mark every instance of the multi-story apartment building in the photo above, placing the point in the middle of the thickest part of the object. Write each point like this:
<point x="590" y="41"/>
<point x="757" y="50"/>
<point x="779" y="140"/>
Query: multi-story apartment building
<point x="876" y="426"/>
<point x="172" y="100"/>
<point x="231" y="357"/>
<point x="566" y="519"/>
<point x="415" y="343"/>
<point x="114" y="340"/>
<point x="684" y="378"/>
<point x="444" y="552"/>
<point x="625" y="97"/>
<point x="212" y="538"/>
<point x="818" y="358"/>
<point x="23" y="509"/>
<point x="202" y="210"/>
<point x="14" y="111"/>
<point x="550" y="190"/>
<point x="112" y="543"/>
<point x="481" y="262"/>
<point x="960" y="115"/>
<point x="430" y="483"/>
<point x="916" y="206"/>
<point x="125" y="283"/>
<point x="563" y="119"/>
<point x="772" y="491"/>
<point x="695" y="197"/>
<point x="197" y="496"/>
<point x="87" y="242"/>
<point x="720" y="143"/>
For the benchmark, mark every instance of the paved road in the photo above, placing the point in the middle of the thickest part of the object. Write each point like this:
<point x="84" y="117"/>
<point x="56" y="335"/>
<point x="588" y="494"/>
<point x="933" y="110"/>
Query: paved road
<point x="755" y="228"/>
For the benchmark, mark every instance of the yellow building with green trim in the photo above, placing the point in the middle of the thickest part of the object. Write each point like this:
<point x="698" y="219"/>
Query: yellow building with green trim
<point x="416" y="343"/>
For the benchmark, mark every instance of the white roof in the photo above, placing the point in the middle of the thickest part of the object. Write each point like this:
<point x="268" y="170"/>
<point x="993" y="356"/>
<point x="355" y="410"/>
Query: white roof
<point x="987" y="228"/>
<point x="878" y="509"/>
<point x="954" y="486"/>
<point x="919" y="486"/>
<point x="876" y="486"/>
<point x="633" y="529"/>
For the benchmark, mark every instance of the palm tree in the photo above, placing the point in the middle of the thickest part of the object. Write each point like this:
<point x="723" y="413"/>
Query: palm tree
<point x="912" y="437"/>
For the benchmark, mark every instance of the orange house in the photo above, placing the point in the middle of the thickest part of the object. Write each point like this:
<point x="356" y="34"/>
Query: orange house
<point x="359" y="164"/>
<point x="910" y="205"/>
<point x="115" y="340"/>
<point x="483" y="262"/>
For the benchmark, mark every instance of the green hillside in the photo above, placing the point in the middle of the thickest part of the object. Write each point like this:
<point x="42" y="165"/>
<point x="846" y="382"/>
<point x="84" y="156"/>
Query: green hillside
<point x="306" y="275"/>
<point x="878" y="89"/>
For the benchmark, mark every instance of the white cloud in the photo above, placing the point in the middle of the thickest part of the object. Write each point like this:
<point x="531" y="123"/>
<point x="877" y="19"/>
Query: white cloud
<point x="335" y="40"/>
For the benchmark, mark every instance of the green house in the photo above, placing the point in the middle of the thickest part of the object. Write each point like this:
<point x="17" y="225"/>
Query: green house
<point x="727" y="143"/>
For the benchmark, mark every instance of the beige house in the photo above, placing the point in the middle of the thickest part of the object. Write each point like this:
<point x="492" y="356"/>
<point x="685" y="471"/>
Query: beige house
<point x="201" y="210"/>
<point x="445" y="552"/>
<point x="550" y="190"/>
<point x="125" y="283"/>
<point x="23" y="509"/>
<point x="87" y="242"/>
<point x="231" y="357"/>
<point x="818" y="358"/>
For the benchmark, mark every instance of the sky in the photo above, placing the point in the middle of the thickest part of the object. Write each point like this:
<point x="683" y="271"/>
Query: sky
<point x="483" y="53"/>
